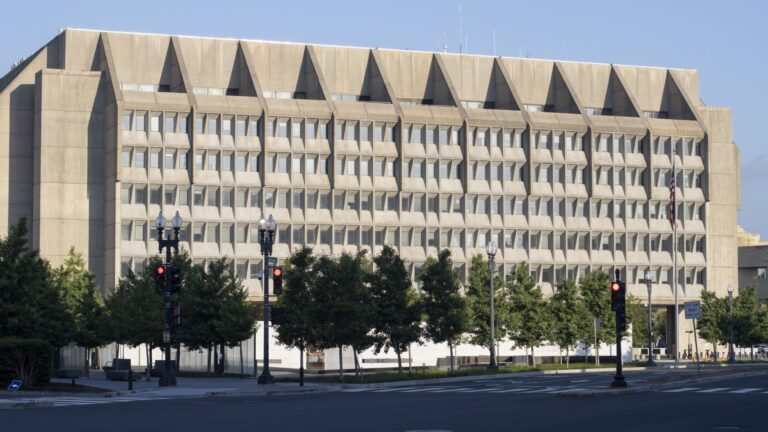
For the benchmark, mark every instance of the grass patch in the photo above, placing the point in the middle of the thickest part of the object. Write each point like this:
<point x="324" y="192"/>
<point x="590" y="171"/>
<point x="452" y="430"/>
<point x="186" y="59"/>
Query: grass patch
<point x="424" y="373"/>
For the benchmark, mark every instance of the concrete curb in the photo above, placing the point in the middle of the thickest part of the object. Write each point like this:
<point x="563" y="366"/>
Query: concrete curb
<point x="26" y="404"/>
<point x="657" y="386"/>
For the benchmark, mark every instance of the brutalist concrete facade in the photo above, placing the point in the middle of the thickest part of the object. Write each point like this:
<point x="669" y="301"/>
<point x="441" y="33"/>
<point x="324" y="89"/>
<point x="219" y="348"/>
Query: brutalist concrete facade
<point x="564" y="165"/>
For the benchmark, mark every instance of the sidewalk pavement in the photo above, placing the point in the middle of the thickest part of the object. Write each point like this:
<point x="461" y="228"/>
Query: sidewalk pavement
<point x="185" y="387"/>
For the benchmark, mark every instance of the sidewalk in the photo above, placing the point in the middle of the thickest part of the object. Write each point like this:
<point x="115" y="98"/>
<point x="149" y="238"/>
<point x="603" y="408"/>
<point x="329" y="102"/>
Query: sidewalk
<point x="185" y="387"/>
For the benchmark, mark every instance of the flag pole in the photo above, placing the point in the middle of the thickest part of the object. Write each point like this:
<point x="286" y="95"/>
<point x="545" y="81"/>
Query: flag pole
<point x="673" y="221"/>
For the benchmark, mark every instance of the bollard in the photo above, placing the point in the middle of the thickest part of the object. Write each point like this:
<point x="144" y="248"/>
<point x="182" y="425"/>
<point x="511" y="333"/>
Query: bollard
<point x="130" y="379"/>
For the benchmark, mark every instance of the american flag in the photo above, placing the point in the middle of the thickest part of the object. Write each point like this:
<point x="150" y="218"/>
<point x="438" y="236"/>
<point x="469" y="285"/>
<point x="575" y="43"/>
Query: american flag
<point x="672" y="206"/>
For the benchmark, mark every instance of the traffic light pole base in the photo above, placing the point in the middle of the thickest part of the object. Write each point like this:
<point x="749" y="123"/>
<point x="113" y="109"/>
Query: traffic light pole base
<point x="618" y="381"/>
<point x="168" y="382"/>
<point x="265" y="379"/>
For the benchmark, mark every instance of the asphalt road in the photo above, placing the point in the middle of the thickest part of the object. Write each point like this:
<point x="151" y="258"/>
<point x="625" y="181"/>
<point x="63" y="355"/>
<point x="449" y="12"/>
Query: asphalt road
<point x="728" y="404"/>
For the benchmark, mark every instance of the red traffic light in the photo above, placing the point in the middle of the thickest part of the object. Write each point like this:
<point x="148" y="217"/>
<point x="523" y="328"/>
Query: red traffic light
<point x="615" y="286"/>
<point x="277" y="272"/>
<point x="160" y="270"/>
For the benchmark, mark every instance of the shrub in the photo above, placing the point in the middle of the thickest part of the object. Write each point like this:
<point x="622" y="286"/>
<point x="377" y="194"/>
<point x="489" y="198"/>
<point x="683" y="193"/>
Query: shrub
<point x="29" y="359"/>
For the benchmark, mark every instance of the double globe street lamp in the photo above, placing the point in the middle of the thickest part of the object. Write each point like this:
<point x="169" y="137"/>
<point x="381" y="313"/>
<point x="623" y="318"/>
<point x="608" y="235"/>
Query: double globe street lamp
<point x="170" y="243"/>
<point x="266" y="240"/>
<point x="649" y="283"/>
<point x="491" y="250"/>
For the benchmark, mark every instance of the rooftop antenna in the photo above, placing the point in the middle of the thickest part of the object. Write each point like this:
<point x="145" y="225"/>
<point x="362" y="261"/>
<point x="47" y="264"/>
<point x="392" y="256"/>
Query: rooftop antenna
<point x="494" y="42"/>
<point x="460" y="33"/>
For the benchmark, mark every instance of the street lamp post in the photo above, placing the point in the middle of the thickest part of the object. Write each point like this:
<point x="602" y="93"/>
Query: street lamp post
<point x="731" y="355"/>
<point x="649" y="281"/>
<point x="266" y="240"/>
<point x="491" y="250"/>
<point x="170" y="243"/>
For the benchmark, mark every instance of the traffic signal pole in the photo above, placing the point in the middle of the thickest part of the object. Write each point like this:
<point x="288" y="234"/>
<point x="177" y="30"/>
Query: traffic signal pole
<point x="618" y="291"/>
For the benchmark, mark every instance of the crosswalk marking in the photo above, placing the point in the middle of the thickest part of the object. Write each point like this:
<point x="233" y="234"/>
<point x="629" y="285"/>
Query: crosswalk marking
<point x="680" y="390"/>
<point x="746" y="390"/>
<point x="423" y="389"/>
<point x="713" y="390"/>
<point x="512" y="390"/>
<point x="394" y="389"/>
<point x="455" y="389"/>
<point x="84" y="400"/>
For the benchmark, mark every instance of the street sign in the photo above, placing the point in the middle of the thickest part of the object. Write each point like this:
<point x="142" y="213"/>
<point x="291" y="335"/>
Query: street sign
<point x="15" y="385"/>
<point x="692" y="310"/>
<point x="271" y="260"/>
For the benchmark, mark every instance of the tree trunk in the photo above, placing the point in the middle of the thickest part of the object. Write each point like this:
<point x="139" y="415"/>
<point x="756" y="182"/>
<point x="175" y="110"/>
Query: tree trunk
<point x="399" y="363"/>
<point x="242" y="366"/>
<point x="301" y="366"/>
<point x="147" y="350"/>
<point x="87" y="363"/>
<point x="567" y="358"/>
<point x="208" y="370"/>
<point x="149" y="360"/>
<point x="533" y="358"/>
<point x="223" y="357"/>
<point x="751" y="353"/>
<point x="450" y="350"/>
<point x="410" y="363"/>
<point x="178" y="357"/>
<point x="341" y="366"/>
<point x="358" y="373"/>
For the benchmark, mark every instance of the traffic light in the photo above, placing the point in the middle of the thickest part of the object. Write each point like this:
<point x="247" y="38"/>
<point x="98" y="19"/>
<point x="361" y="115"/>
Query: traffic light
<point x="615" y="295"/>
<point x="160" y="279"/>
<point x="621" y="319"/>
<point x="277" y="280"/>
<point x="175" y="275"/>
<point x="176" y="315"/>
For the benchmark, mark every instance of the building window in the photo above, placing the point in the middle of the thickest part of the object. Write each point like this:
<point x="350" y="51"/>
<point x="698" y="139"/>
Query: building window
<point x="141" y="119"/>
<point x="154" y="159"/>
<point x="126" y="157"/>
<point x="213" y="124"/>
<point x="125" y="194"/>
<point x="154" y="122"/>
<point x="127" y="120"/>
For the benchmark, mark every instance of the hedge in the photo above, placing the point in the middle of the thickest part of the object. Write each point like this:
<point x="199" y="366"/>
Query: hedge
<point x="29" y="360"/>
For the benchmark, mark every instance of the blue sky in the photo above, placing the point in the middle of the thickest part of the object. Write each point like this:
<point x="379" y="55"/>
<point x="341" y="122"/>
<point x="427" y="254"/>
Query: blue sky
<point x="724" y="41"/>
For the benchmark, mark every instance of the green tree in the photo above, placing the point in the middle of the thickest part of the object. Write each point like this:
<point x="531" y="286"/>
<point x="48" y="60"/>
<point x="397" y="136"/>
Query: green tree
<point x="569" y="317"/>
<point x="84" y="302"/>
<point x="529" y="310"/>
<point x="136" y="310"/>
<point x="293" y="319"/>
<point x="444" y="307"/>
<point x="637" y="314"/>
<point x="478" y="297"/>
<point x="749" y="319"/>
<point x="30" y="305"/>
<point x="595" y="290"/>
<point x="216" y="311"/>
<point x="344" y="310"/>
<point x="397" y="321"/>
<point x="713" y="324"/>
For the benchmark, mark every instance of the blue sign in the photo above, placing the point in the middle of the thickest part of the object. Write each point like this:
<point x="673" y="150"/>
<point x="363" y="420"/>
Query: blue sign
<point x="15" y="385"/>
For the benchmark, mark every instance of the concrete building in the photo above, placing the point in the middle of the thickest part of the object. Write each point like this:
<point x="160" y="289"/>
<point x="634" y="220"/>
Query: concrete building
<point x="753" y="269"/>
<point x="564" y="165"/>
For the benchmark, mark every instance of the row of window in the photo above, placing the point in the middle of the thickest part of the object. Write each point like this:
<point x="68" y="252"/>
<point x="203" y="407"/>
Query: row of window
<point x="229" y="233"/>
<point x="214" y="196"/>
<point x="353" y="130"/>
<point x="213" y="160"/>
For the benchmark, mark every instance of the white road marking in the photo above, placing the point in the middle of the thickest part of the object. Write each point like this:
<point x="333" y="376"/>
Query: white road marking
<point x="714" y="390"/>
<point x="680" y="390"/>
<point x="746" y="390"/>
